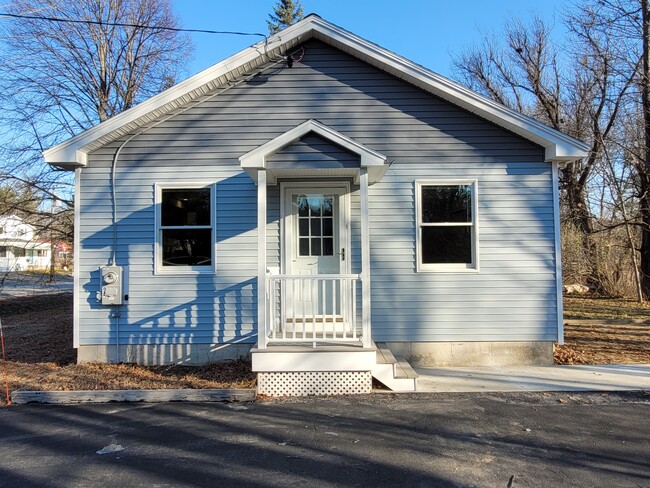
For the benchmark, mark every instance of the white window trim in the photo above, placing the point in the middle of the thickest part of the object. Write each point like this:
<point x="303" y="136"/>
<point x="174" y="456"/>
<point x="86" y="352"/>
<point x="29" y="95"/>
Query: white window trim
<point x="159" y="269"/>
<point x="421" y="267"/>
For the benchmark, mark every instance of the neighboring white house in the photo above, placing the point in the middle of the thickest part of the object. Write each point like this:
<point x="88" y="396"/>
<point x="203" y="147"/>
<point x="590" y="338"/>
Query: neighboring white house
<point x="318" y="202"/>
<point x="20" y="249"/>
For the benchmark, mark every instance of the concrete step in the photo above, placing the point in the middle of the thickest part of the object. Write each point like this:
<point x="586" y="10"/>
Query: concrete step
<point x="395" y="373"/>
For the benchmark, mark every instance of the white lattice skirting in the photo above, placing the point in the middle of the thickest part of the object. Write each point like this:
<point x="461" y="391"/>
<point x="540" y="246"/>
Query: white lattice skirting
<point x="305" y="383"/>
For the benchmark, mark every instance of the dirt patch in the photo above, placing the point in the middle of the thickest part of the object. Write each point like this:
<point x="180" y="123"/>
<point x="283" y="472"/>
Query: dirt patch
<point x="40" y="356"/>
<point x="38" y="329"/>
<point x="589" y="342"/>
<point x="38" y="333"/>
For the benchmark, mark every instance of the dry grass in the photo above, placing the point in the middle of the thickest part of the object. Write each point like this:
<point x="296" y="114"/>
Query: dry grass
<point x="38" y="332"/>
<point x="38" y="336"/>
<point x="622" y="342"/>
<point x="605" y="308"/>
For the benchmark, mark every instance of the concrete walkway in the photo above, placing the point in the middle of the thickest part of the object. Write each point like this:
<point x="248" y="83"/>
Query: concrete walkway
<point x="534" y="378"/>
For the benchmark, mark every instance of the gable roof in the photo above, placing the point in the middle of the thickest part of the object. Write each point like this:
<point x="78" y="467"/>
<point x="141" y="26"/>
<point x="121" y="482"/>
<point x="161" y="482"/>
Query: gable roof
<point x="375" y="163"/>
<point x="73" y="152"/>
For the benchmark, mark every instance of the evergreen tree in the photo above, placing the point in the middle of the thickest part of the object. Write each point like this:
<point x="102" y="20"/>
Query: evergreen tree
<point x="285" y="13"/>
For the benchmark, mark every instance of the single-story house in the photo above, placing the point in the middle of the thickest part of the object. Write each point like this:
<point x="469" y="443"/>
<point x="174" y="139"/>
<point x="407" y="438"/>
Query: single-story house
<point x="322" y="204"/>
<point x="20" y="248"/>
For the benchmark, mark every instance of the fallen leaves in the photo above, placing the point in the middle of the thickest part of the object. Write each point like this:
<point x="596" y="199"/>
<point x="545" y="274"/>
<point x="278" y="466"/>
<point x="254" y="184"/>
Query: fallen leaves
<point x="38" y="332"/>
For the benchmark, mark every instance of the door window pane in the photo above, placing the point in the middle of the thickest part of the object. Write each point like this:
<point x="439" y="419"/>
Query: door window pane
<point x="303" y="227"/>
<point x="315" y="247"/>
<point x="328" y="204"/>
<point x="315" y="205"/>
<point x="303" y="245"/>
<point x="315" y="227"/>
<point x="328" y="246"/>
<point x="327" y="227"/>
<point x="303" y="206"/>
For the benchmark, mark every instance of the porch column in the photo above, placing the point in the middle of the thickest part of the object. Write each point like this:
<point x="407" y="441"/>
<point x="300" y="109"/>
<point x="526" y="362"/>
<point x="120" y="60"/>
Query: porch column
<point x="365" y="258"/>
<point x="261" y="260"/>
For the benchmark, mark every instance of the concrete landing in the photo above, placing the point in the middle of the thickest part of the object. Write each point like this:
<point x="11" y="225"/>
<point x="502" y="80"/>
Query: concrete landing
<point x="534" y="378"/>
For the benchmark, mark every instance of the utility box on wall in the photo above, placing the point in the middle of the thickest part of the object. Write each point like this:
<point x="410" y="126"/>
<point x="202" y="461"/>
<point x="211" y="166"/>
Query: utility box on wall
<point x="111" y="285"/>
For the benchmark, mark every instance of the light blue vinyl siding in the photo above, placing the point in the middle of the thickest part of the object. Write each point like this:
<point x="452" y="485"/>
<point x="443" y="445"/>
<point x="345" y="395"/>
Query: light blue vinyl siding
<point x="511" y="298"/>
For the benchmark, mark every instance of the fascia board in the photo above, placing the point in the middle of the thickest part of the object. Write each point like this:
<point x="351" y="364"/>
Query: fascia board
<point x="520" y="124"/>
<point x="71" y="151"/>
<point x="558" y="146"/>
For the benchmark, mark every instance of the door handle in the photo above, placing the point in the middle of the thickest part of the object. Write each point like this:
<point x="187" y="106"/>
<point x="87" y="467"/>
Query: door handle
<point x="342" y="254"/>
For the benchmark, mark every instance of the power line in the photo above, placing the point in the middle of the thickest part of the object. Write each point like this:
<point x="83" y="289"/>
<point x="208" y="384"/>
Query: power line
<point x="120" y="24"/>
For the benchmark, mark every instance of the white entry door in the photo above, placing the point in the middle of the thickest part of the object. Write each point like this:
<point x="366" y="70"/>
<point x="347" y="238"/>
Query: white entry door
<point x="316" y="243"/>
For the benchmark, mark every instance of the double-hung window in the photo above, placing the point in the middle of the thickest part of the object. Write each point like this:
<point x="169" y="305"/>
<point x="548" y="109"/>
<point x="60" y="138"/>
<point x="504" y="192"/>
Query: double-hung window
<point x="447" y="225"/>
<point x="185" y="228"/>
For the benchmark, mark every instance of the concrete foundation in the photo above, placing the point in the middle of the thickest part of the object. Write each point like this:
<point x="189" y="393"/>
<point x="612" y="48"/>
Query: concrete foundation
<point x="159" y="354"/>
<point x="420" y="354"/>
<point x="470" y="354"/>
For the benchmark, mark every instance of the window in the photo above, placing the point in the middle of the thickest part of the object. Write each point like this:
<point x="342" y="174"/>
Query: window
<point x="18" y="252"/>
<point x="446" y="225"/>
<point x="315" y="225"/>
<point x="3" y="251"/>
<point x="185" y="238"/>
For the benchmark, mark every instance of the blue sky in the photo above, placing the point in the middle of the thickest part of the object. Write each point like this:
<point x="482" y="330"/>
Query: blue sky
<point x="424" y="31"/>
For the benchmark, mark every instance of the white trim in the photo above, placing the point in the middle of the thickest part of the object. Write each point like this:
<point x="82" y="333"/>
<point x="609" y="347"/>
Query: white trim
<point x="366" y="294"/>
<point x="558" y="252"/>
<point x="262" y="317"/>
<point x="447" y="267"/>
<point x="342" y="189"/>
<point x="76" y="258"/>
<point x="256" y="159"/>
<point x="558" y="146"/>
<point x="159" y="269"/>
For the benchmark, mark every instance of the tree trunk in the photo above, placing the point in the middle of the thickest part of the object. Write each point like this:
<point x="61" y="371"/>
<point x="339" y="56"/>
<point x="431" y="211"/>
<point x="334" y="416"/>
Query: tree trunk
<point x="644" y="170"/>
<point x="645" y="242"/>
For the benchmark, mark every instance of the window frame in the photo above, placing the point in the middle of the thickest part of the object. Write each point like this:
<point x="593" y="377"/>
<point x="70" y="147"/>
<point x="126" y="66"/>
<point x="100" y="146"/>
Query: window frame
<point x="159" y="269"/>
<point x="473" y="266"/>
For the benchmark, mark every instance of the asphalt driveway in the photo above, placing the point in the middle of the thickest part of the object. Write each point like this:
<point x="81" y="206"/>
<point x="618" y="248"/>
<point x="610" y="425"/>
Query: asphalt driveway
<point x="501" y="440"/>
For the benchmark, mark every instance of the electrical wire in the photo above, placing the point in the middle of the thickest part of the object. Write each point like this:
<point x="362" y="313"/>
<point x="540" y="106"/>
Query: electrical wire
<point x="123" y="24"/>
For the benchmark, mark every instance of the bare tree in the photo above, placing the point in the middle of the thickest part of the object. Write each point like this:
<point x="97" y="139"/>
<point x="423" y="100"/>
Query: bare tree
<point x="60" y="78"/>
<point x="582" y="88"/>
<point x="629" y="20"/>
<point x="524" y="72"/>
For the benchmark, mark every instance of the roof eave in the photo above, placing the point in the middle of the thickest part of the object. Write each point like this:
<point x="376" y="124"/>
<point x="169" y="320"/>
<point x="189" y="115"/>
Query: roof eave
<point x="558" y="146"/>
<point x="73" y="152"/>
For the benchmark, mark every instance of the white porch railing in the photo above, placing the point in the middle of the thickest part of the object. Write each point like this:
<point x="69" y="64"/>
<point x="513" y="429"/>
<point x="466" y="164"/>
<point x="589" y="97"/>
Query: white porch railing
<point x="314" y="308"/>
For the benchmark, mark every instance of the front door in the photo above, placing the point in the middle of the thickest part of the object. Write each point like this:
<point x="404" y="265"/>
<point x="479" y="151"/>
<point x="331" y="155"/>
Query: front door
<point x="315" y="240"/>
